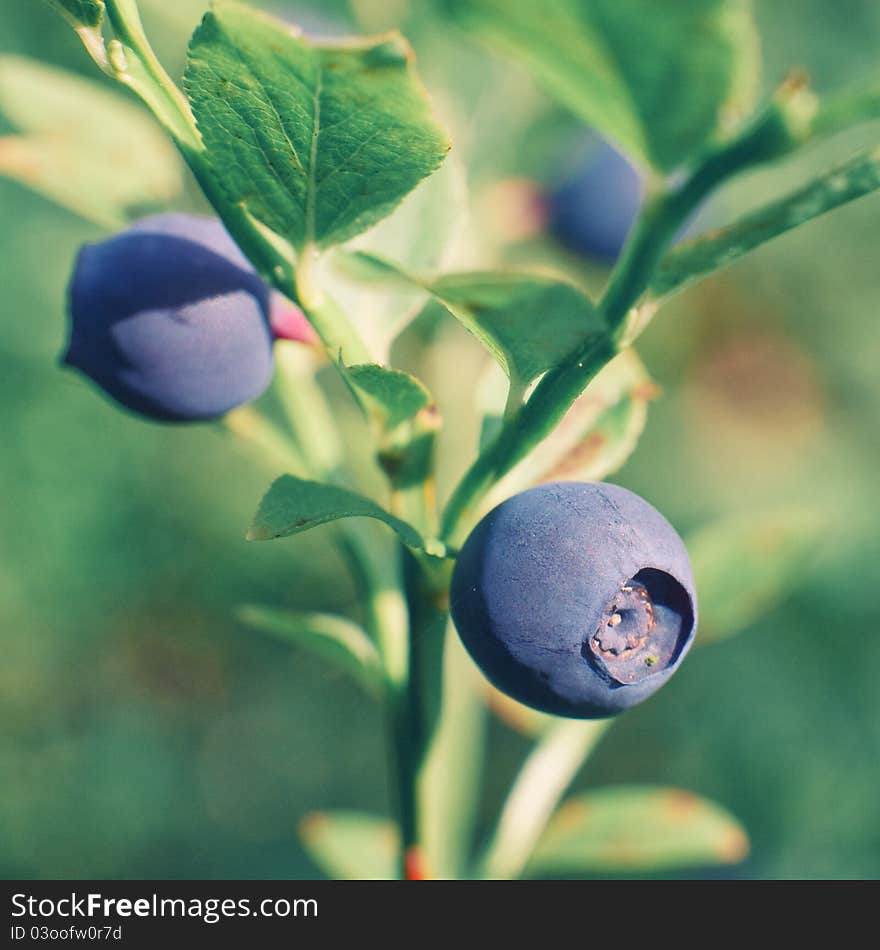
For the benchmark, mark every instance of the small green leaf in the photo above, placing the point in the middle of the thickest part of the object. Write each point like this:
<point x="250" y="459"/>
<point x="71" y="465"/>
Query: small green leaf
<point x="317" y="142"/>
<point x="637" y="828"/>
<point x="660" y="83"/>
<point x="695" y="259"/>
<point x="334" y="638"/>
<point x="293" y="505"/>
<point x="385" y="308"/>
<point x="595" y="437"/>
<point x="350" y="846"/>
<point x="744" y="565"/>
<point x="89" y="13"/>
<point x="80" y="145"/>
<point x="397" y="396"/>
<point x="528" y="322"/>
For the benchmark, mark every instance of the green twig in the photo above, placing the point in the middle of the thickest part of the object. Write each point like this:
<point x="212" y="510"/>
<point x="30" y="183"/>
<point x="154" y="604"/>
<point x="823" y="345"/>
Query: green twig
<point x="541" y="783"/>
<point x="772" y="133"/>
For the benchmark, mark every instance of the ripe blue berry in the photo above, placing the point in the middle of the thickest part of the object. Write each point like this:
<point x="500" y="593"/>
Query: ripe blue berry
<point x="575" y="598"/>
<point x="170" y="319"/>
<point x="593" y="211"/>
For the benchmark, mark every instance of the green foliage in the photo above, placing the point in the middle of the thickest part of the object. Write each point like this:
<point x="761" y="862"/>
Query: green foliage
<point x="87" y="13"/>
<point x="293" y="505"/>
<point x="317" y="142"/>
<point x="746" y="564"/>
<point x="858" y="176"/>
<point x="528" y="322"/>
<point x="641" y="828"/>
<point x="396" y="395"/>
<point x="661" y="84"/>
<point x="79" y="145"/>
<point x="336" y="639"/>
<point x="351" y="846"/>
<point x="385" y="308"/>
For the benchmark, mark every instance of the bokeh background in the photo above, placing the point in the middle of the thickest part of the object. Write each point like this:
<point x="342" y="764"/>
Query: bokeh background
<point x="144" y="732"/>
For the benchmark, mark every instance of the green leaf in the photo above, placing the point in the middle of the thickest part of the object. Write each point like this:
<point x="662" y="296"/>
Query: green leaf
<point x="528" y="322"/>
<point x="595" y="437"/>
<point x="293" y="505"/>
<point x="396" y="395"/>
<point x="88" y="13"/>
<point x="659" y="80"/>
<point x="744" y="565"/>
<point x="350" y="846"/>
<point x="693" y="260"/>
<point x="384" y="310"/>
<point x="638" y="828"/>
<point x="80" y="145"/>
<point x="317" y="142"/>
<point x="331" y="637"/>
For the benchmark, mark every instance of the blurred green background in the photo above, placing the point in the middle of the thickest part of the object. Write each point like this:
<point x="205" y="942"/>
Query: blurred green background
<point x="145" y="733"/>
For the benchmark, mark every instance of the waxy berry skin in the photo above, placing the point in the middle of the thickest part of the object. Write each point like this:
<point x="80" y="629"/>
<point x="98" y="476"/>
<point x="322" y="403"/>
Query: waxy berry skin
<point x="171" y="320"/>
<point x="575" y="598"/>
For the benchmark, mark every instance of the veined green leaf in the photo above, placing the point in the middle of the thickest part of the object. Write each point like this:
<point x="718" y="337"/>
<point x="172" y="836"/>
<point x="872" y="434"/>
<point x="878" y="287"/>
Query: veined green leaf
<point x="745" y="565"/>
<point x="397" y="396"/>
<point x="293" y="505"/>
<point x="333" y="638"/>
<point x="858" y="176"/>
<point x="82" y="146"/>
<point x="350" y="846"/>
<point x="317" y="142"/>
<point x="385" y="310"/>
<point x="661" y="84"/>
<point x="638" y="829"/>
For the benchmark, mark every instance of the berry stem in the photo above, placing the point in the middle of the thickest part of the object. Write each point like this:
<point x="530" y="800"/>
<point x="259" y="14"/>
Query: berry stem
<point x="537" y="790"/>
<point x="772" y="133"/>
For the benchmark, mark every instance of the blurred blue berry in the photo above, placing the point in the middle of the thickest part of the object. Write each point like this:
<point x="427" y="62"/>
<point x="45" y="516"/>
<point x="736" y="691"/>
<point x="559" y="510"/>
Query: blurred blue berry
<point x="170" y="319"/>
<point x="593" y="210"/>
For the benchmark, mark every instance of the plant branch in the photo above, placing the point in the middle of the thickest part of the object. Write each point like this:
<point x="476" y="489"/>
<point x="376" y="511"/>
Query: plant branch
<point x="772" y="133"/>
<point x="546" y="774"/>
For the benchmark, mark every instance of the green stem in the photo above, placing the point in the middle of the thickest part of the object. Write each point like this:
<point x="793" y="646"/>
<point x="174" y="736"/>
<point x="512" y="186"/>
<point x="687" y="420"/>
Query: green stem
<point x="452" y="768"/>
<point x="541" y="783"/>
<point x="134" y="63"/>
<point x="770" y="135"/>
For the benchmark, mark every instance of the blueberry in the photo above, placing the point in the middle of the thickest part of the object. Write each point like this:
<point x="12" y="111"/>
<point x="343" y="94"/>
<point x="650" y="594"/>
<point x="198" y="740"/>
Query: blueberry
<point x="170" y="319"/>
<point x="575" y="598"/>
<point x="592" y="211"/>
